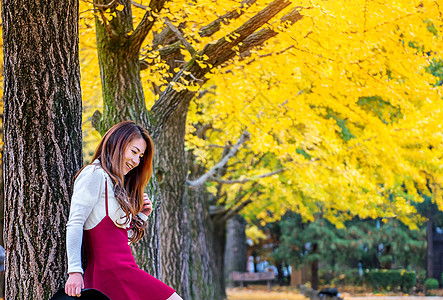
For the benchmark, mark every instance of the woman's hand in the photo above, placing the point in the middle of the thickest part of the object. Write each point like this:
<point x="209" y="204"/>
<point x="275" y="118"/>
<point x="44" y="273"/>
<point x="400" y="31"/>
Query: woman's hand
<point x="74" y="285"/>
<point x="147" y="205"/>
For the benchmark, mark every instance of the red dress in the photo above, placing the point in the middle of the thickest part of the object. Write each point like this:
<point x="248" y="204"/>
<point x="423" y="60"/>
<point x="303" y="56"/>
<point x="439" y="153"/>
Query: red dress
<point x="111" y="267"/>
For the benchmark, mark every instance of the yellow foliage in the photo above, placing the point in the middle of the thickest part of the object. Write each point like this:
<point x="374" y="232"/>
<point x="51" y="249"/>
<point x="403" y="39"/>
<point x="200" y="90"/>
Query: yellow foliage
<point x="341" y="101"/>
<point x="255" y="234"/>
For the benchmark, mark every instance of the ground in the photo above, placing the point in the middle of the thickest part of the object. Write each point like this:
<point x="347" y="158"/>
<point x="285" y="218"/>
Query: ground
<point x="258" y="292"/>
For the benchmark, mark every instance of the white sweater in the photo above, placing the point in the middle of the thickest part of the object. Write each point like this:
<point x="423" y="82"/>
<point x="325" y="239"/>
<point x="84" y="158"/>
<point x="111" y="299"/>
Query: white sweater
<point x="88" y="209"/>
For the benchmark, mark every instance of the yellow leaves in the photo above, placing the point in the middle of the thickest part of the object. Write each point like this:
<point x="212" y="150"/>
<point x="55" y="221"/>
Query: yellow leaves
<point x="299" y="97"/>
<point x="255" y="234"/>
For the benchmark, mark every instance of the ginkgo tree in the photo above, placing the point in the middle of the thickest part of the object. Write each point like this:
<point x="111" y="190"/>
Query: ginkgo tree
<point x="337" y="92"/>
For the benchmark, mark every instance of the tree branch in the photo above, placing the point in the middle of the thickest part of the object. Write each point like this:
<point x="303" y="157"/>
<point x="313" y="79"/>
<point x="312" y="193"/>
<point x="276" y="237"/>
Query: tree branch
<point x="244" y="137"/>
<point x="180" y="36"/>
<point x="256" y="39"/>
<point x="139" y="5"/>
<point x="101" y="9"/>
<point x="241" y="33"/>
<point x="241" y="181"/>
<point x="232" y="212"/>
<point x="165" y="53"/>
<point x="215" y="25"/>
<point x="145" y="25"/>
<point x="196" y="69"/>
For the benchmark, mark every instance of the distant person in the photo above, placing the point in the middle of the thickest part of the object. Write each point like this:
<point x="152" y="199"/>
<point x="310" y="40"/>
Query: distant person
<point x="108" y="205"/>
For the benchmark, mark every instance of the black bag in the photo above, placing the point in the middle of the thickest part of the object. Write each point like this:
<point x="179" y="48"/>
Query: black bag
<point x="86" y="294"/>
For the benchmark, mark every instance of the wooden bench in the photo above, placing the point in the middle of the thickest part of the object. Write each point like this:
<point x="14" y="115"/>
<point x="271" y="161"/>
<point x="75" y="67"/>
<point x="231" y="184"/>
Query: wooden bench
<point x="253" y="277"/>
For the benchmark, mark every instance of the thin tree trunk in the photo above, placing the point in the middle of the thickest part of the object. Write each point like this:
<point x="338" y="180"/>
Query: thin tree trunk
<point x="429" y="249"/>
<point x="235" y="249"/>
<point x="42" y="117"/>
<point x="314" y="269"/>
<point x="219" y="249"/>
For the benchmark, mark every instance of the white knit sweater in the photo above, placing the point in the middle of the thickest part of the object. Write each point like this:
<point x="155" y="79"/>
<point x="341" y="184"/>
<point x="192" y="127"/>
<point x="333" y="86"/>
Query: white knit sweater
<point x="88" y="209"/>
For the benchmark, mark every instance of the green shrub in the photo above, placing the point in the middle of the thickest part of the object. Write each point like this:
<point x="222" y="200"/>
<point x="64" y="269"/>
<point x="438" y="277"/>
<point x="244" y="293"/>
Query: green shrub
<point x="431" y="284"/>
<point x="390" y="280"/>
<point x="409" y="279"/>
<point x="395" y="277"/>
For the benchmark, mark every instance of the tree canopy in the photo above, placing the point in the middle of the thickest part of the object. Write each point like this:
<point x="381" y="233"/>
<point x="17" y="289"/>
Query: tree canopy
<point x="344" y="102"/>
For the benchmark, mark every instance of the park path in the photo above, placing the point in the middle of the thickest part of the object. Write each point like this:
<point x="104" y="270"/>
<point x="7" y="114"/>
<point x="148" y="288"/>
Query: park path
<point x="394" y="298"/>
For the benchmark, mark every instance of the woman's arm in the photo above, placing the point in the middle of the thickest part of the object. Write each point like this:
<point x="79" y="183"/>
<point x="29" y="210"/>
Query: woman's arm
<point x="87" y="190"/>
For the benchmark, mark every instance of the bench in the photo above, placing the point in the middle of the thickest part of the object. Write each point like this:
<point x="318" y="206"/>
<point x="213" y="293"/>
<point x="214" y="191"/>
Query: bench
<point x="253" y="277"/>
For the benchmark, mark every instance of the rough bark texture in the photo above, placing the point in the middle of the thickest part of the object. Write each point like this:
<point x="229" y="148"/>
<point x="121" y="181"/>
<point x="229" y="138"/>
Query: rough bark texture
<point x="174" y="215"/>
<point x="42" y="116"/>
<point x="2" y="215"/>
<point x="122" y="89"/>
<point x="204" y="275"/>
<point x="235" y="250"/>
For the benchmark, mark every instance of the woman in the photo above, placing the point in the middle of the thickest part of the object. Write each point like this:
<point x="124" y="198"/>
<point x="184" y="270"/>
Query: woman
<point x="108" y="205"/>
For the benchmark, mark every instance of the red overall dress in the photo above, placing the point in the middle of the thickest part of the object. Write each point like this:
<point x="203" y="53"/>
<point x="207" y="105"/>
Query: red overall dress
<point x="111" y="268"/>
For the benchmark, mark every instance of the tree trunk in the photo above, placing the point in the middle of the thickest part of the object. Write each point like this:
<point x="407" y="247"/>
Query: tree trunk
<point x="314" y="269"/>
<point x="429" y="249"/>
<point x="174" y="214"/>
<point x="2" y="216"/>
<point x="202" y="265"/>
<point x="43" y="140"/>
<point x="122" y="89"/>
<point x="235" y="250"/>
<point x="123" y="99"/>
<point x="219" y="249"/>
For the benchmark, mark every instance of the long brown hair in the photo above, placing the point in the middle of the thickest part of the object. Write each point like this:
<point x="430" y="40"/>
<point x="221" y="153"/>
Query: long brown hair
<point x="129" y="188"/>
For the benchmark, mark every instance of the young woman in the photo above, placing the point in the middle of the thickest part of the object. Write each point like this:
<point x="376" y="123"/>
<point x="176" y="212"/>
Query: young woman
<point x="108" y="206"/>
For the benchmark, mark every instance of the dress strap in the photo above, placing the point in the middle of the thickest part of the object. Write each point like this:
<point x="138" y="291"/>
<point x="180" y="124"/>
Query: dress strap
<point x="106" y="195"/>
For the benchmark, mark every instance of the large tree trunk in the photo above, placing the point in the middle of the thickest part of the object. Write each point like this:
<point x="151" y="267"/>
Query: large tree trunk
<point x="2" y="215"/>
<point x="123" y="99"/>
<point x="203" y="270"/>
<point x="42" y="116"/>
<point x="122" y="89"/>
<point x="174" y="211"/>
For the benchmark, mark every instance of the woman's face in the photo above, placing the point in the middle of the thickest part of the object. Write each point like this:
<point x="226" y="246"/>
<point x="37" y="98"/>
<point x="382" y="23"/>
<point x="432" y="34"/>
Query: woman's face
<point x="133" y="153"/>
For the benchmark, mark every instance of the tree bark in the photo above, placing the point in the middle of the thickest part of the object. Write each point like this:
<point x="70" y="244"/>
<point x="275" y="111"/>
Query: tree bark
<point x="2" y="214"/>
<point x="174" y="211"/>
<point x="219" y="240"/>
<point x="122" y="89"/>
<point x="43" y="140"/>
<point x="314" y="269"/>
<point x="429" y="248"/>
<point x="235" y="249"/>
<point x="203" y="275"/>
